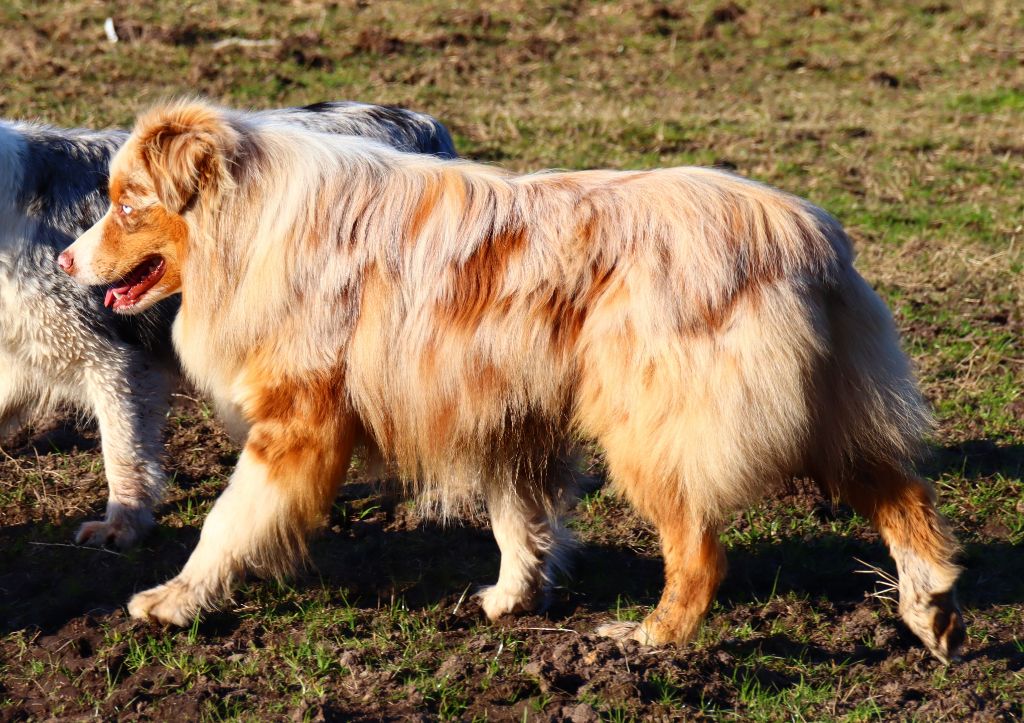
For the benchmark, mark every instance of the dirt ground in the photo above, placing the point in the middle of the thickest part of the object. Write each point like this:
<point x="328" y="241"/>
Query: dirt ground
<point x="384" y="624"/>
<point x="906" y="122"/>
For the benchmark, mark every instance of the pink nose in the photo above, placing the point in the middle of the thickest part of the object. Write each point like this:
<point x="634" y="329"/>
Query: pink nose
<point x="66" y="261"/>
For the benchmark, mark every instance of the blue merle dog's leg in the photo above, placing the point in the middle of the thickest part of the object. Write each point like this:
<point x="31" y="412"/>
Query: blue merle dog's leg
<point x="130" y="401"/>
<point x="13" y="403"/>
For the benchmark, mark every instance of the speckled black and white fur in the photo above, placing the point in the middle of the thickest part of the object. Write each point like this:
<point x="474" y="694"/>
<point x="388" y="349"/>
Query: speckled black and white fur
<point x="59" y="346"/>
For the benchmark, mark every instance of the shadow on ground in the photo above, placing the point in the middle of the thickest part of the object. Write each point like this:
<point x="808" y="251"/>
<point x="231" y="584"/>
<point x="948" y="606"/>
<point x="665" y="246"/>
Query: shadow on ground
<point x="976" y="458"/>
<point x="46" y="581"/>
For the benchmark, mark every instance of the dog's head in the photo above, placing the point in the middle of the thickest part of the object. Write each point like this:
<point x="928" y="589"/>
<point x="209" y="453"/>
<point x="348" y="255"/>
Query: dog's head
<point x="176" y="159"/>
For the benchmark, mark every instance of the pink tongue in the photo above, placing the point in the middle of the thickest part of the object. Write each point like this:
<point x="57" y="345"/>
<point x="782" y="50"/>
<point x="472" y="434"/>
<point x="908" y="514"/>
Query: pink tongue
<point x="109" y="299"/>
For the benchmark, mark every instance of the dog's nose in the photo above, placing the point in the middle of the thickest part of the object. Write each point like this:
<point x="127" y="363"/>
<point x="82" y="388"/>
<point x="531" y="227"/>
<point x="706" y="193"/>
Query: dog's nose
<point x="66" y="261"/>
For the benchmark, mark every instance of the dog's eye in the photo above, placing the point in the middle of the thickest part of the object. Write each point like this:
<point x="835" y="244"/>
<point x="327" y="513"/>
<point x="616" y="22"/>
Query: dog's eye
<point x="126" y="210"/>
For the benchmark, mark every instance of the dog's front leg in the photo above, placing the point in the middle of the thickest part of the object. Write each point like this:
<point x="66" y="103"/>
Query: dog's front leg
<point x="130" y="401"/>
<point x="284" y="484"/>
<point x="531" y="543"/>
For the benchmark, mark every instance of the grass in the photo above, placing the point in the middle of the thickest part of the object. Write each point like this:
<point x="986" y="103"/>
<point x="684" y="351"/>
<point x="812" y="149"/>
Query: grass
<point x="903" y="120"/>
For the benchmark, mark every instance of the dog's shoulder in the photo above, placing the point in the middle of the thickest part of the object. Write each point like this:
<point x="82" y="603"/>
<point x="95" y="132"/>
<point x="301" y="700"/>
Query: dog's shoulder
<point x="64" y="174"/>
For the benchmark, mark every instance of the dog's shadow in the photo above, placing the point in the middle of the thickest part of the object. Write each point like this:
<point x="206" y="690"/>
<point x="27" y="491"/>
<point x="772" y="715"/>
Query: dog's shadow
<point x="45" y="582"/>
<point x="976" y="458"/>
<point x="53" y="434"/>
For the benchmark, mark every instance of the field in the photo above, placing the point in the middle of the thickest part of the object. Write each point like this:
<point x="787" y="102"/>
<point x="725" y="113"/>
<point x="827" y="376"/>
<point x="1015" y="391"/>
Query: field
<point x="905" y="120"/>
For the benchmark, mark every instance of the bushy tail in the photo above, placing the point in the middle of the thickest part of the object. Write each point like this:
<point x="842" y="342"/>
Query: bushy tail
<point x="871" y="410"/>
<point x="874" y="431"/>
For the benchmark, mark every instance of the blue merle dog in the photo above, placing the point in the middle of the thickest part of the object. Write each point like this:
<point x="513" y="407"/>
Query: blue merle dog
<point x="59" y="346"/>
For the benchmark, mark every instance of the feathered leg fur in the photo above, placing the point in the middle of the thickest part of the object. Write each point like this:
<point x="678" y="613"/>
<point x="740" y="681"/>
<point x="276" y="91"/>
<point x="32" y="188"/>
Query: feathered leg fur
<point x="531" y="543"/>
<point x="295" y="457"/>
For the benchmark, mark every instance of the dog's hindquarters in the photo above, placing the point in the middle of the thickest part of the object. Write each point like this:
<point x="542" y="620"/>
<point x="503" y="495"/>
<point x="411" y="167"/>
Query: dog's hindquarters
<point x="802" y="374"/>
<point x="699" y="426"/>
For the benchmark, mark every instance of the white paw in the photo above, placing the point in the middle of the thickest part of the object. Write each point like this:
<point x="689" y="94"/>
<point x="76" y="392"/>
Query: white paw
<point x="122" y="528"/>
<point x="497" y="602"/>
<point x="118" y="533"/>
<point x="623" y="630"/>
<point x="172" y="604"/>
<point x="937" y="620"/>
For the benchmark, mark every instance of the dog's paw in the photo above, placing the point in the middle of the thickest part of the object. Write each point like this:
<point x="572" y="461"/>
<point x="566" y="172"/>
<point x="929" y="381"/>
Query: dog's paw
<point x="102" y="533"/>
<point x="497" y="602"/>
<point x="624" y="630"/>
<point x="938" y="622"/>
<point x="122" y="528"/>
<point x="171" y="604"/>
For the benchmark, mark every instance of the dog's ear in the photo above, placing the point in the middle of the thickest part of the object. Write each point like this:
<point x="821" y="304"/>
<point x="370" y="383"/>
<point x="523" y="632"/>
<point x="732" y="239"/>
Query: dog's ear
<point x="184" y="148"/>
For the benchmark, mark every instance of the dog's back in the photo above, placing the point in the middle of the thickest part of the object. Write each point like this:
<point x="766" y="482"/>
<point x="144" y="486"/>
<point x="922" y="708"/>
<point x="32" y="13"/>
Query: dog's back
<point x="399" y="128"/>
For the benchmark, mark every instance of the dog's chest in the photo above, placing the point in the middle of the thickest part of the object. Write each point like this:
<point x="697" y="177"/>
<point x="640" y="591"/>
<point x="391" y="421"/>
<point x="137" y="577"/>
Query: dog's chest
<point x="22" y="334"/>
<point x="206" y="363"/>
<point x="38" y="326"/>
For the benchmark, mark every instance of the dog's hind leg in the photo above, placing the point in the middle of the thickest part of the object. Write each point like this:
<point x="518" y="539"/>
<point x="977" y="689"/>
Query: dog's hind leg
<point x="862" y="454"/>
<point x="130" y="401"/>
<point x="646" y="447"/>
<point x="530" y="541"/>
<point x="694" y="567"/>
<point x="286" y="479"/>
<point x="902" y="508"/>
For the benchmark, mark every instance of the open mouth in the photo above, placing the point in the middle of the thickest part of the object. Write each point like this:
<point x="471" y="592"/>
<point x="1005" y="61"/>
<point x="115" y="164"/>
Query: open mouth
<point x="135" y="285"/>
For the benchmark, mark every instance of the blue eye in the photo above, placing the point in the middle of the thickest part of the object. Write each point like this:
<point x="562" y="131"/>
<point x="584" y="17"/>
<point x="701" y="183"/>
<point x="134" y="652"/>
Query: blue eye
<point x="126" y="210"/>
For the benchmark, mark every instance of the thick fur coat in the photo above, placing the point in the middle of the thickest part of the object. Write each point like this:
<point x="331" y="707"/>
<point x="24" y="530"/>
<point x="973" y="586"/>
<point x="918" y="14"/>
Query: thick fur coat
<point x="60" y="347"/>
<point x="708" y="332"/>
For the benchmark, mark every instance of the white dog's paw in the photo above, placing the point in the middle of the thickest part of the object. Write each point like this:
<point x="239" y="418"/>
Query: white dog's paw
<point x="122" y="528"/>
<point x="117" y="533"/>
<point x="174" y="603"/>
<point x="497" y="602"/>
<point x="624" y="630"/>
